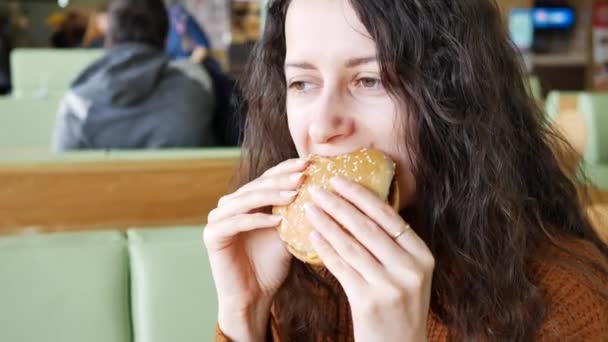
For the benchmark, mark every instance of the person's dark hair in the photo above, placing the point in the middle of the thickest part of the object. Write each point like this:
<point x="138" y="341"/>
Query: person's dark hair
<point x="490" y="191"/>
<point x="137" y="21"/>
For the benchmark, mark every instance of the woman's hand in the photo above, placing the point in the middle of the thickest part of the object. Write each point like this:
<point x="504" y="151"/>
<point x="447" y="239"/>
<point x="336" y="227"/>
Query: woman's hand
<point x="383" y="266"/>
<point x="248" y="260"/>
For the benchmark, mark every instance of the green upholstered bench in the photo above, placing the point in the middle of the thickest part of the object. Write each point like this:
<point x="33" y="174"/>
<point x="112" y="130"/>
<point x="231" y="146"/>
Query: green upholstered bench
<point x="41" y="72"/>
<point x="144" y="286"/>
<point x="27" y="123"/>
<point x="173" y="296"/>
<point x="593" y="110"/>
<point x="534" y="88"/>
<point x="65" y="287"/>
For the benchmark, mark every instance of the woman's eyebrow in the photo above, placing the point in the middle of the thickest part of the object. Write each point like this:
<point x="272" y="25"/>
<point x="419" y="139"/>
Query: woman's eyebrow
<point x="355" y="62"/>
<point x="351" y="63"/>
<point x="300" y="65"/>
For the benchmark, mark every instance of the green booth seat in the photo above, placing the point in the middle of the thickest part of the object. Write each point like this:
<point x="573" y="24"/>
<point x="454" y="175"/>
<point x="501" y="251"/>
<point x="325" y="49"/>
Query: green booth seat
<point x="594" y="108"/>
<point x="64" y="288"/>
<point x="143" y="286"/>
<point x="43" y="157"/>
<point x="42" y="71"/>
<point x="173" y="294"/>
<point x="596" y="174"/>
<point x="534" y="88"/>
<point x="27" y="123"/>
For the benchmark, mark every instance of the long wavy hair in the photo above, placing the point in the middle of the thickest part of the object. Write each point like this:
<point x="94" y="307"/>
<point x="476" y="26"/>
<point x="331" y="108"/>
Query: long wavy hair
<point x="490" y="190"/>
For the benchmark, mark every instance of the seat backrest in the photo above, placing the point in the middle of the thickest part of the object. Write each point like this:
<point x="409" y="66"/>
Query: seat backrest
<point x="65" y="287"/>
<point x="173" y="294"/>
<point x="583" y="119"/>
<point x="535" y="88"/>
<point x="38" y="71"/>
<point x="27" y="123"/>
<point x="559" y="101"/>
<point x="147" y="285"/>
<point x="594" y="108"/>
<point x="92" y="190"/>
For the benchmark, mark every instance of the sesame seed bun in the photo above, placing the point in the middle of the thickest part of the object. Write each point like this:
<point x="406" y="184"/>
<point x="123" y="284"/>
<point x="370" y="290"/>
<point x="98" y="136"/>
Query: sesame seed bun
<point x="370" y="168"/>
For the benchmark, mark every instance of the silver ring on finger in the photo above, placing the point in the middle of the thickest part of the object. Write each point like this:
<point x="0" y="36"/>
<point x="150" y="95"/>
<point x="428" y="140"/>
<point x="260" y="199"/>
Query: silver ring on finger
<point x="401" y="232"/>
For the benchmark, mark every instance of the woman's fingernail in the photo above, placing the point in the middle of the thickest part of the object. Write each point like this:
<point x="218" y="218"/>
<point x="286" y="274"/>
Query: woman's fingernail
<point x="315" y="190"/>
<point x="312" y="210"/>
<point x="308" y="209"/>
<point x="276" y="218"/>
<point x="337" y="181"/>
<point x="288" y="194"/>
<point x="315" y="237"/>
<point x="296" y="176"/>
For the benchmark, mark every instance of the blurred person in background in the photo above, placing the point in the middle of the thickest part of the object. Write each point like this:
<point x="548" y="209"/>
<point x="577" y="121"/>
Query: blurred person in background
<point x="68" y="28"/>
<point x="97" y="29"/>
<point x="186" y="37"/>
<point x="188" y="40"/>
<point x="133" y="96"/>
<point x="5" y="50"/>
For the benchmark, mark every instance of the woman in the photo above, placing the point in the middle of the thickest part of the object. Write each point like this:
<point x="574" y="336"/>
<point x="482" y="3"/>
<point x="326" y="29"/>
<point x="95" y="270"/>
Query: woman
<point x="499" y="247"/>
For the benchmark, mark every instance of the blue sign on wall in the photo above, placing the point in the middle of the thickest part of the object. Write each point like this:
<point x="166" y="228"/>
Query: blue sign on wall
<point x="553" y="18"/>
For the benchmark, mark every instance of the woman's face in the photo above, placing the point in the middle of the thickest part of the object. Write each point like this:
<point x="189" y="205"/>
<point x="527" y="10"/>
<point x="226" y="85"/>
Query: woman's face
<point x="335" y="99"/>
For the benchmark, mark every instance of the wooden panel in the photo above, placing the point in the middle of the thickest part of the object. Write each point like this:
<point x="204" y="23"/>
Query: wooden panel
<point x="111" y="194"/>
<point x="571" y="125"/>
<point x="568" y="102"/>
<point x="595" y="197"/>
<point x="507" y="5"/>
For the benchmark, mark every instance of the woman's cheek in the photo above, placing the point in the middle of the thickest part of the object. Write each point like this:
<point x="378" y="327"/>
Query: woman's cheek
<point x="297" y="130"/>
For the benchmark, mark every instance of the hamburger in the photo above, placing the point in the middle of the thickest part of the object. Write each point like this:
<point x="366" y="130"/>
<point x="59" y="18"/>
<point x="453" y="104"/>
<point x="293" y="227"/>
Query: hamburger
<point x="367" y="167"/>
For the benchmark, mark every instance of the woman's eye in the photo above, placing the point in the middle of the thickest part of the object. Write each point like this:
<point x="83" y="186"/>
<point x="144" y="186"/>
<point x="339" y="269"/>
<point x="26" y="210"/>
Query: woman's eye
<point x="300" y="86"/>
<point x="369" y="83"/>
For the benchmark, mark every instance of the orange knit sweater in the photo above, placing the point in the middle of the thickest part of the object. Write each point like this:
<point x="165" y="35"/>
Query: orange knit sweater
<point x="577" y="309"/>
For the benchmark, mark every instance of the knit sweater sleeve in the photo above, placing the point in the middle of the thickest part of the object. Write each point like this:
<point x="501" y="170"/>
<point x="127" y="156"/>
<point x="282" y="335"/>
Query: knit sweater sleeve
<point x="272" y="335"/>
<point x="577" y="303"/>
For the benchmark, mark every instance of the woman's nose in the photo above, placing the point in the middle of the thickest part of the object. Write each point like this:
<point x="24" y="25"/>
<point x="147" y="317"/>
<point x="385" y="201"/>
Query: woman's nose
<point x="330" y="122"/>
